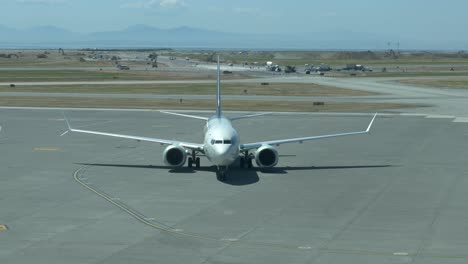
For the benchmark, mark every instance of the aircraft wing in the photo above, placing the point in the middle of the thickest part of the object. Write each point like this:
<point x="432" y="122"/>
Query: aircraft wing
<point x="255" y="145"/>
<point x="188" y="145"/>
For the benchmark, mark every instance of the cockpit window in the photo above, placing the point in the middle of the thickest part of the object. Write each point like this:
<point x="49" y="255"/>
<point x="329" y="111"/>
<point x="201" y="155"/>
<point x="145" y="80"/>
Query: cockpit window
<point x="226" y="142"/>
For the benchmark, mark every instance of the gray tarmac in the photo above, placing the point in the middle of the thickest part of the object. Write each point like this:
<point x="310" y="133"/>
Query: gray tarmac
<point x="397" y="195"/>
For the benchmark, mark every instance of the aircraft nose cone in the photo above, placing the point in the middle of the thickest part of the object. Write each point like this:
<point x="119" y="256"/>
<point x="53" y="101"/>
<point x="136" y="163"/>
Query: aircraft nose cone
<point x="225" y="155"/>
<point x="222" y="149"/>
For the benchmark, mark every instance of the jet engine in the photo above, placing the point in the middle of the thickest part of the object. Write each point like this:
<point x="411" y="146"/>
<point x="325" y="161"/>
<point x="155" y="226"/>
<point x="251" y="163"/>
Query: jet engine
<point x="175" y="156"/>
<point x="266" y="156"/>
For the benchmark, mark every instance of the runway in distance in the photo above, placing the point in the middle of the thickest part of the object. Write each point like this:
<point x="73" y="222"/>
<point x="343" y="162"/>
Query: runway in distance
<point x="221" y="144"/>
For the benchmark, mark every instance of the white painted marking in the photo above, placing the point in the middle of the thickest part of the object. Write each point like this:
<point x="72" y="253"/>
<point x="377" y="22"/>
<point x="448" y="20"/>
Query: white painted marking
<point x="228" y="212"/>
<point x="439" y="116"/>
<point x="412" y="114"/>
<point x="400" y="254"/>
<point x="305" y="247"/>
<point x="230" y="239"/>
<point x="190" y="111"/>
<point x="461" y="120"/>
<point x="149" y="219"/>
<point x="177" y="230"/>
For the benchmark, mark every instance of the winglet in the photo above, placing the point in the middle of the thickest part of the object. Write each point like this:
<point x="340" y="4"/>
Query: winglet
<point x="68" y="125"/>
<point x="371" y="122"/>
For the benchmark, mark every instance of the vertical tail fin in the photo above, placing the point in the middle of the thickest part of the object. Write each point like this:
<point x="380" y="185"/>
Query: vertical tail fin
<point x="218" y="106"/>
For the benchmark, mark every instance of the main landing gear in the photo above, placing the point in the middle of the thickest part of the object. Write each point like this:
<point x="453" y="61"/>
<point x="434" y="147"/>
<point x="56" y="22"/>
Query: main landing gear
<point x="193" y="160"/>
<point x="246" y="160"/>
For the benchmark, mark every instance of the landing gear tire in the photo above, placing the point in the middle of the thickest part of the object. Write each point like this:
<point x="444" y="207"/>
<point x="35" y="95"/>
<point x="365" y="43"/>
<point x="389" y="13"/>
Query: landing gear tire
<point x="246" y="160"/>
<point x="249" y="163"/>
<point x="190" y="162"/>
<point x="221" y="175"/>
<point x="197" y="162"/>
<point x="241" y="162"/>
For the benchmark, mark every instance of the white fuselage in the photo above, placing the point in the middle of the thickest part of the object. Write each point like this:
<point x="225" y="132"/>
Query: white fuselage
<point x="221" y="143"/>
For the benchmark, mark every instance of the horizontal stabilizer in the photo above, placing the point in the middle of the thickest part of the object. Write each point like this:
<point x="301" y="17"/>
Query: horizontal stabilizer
<point x="184" y="115"/>
<point x="248" y="116"/>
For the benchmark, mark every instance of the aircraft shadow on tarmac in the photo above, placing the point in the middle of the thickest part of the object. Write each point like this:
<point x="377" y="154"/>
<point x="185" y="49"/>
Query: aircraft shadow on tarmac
<point x="238" y="176"/>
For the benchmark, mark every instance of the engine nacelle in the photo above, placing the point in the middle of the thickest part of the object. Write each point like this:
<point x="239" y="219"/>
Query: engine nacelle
<point x="174" y="156"/>
<point x="266" y="157"/>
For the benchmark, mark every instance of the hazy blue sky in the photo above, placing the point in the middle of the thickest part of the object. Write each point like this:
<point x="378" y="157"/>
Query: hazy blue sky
<point x="418" y="19"/>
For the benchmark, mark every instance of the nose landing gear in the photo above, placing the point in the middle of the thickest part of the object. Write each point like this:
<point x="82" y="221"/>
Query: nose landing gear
<point x="221" y="173"/>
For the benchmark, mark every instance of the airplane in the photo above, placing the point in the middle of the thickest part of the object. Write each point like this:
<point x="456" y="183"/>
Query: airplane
<point x="221" y="144"/>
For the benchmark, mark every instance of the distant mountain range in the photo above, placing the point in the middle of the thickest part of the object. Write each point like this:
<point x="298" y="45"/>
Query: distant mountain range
<point x="143" y="36"/>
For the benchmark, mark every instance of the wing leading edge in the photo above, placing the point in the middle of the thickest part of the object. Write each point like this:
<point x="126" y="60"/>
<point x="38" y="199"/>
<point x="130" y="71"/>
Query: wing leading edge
<point x="255" y="145"/>
<point x="193" y="146"/>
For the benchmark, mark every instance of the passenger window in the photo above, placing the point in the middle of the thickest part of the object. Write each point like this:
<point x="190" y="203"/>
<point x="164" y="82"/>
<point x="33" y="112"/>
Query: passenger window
<point x="212" y="142"/>
<point x="227" y="142"/>
<point x="218" y="142"/>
